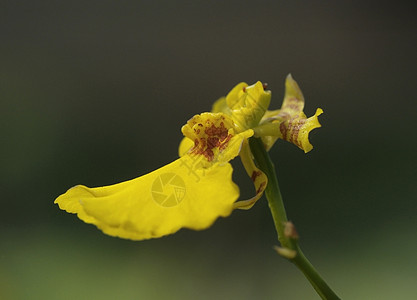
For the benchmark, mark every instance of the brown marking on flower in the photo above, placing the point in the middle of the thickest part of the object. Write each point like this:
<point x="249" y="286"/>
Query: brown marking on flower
<point x="225" y="142"/>
<point x="295" y="130"/>
<point x="217" y="137"/>
<point x="265" y="85"/>
<point x="291" y="129"/>
<point x="293" y="106"/>
<point x="261" y="187"/>
<point x="255" y="174"/>
<point x="283" y="129"/>
<point x="282" y="115"/>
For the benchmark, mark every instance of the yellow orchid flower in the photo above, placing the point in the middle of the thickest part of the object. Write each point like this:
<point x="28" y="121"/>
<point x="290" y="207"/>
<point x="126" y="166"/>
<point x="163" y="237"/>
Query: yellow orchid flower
<point x="197" y="188"/>
<point x="289" y="123"/>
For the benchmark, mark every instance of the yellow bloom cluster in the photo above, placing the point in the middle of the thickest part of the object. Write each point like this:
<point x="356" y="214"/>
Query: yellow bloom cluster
<point x="197" y="188"/>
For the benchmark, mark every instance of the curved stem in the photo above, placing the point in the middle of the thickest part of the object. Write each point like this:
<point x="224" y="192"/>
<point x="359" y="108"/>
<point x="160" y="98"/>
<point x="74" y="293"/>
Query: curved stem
<point x="276" y="205"/>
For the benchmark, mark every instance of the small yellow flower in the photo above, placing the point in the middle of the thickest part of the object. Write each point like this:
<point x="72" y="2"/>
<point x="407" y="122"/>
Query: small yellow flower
<point x="197" y="188"/>
<point x="289" y="123"/>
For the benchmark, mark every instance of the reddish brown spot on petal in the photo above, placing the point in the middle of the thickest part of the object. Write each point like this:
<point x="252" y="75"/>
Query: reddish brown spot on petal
<point x="295" y="130"/>
<point x="261" y="187"/>
<point x="225" y="142"/>
<point x="283" y="130"/>
<point x="255" y="174"/>
<point x="217" y="137"/>
<point x="284" y="115"/>
<point x="212" y="142"/>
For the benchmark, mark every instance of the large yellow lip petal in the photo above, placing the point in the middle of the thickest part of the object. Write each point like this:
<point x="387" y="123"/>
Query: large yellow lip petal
<point x="185" y="145"/>
<point x="175" y="196"/>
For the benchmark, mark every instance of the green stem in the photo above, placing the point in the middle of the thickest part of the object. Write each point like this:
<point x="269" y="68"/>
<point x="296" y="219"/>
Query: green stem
<point x="276" y="205"/>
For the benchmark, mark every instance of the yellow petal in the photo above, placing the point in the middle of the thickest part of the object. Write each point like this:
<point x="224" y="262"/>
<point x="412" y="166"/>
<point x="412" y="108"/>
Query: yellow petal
<point x="234" y="97"/>
<point x="293" y="100"/>
<point x="220" y="105"/>
<point x="296" y="130"/>
<point x="244" y="107"/>
<point x="259" y="179"/>
<point x="175" y="196"/>
<point x="248" y="104"/>
<point x="215" y="138"/>
<point x="185" y="145"/>
<point x="288" y="123"/>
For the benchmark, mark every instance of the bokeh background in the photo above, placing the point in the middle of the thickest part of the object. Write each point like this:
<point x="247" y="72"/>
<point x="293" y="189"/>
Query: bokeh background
<point x="95" y="92"/>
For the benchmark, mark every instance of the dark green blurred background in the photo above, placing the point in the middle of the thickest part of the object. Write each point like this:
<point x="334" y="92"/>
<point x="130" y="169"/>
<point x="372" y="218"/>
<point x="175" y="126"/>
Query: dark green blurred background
<point x="95" y="92"/>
